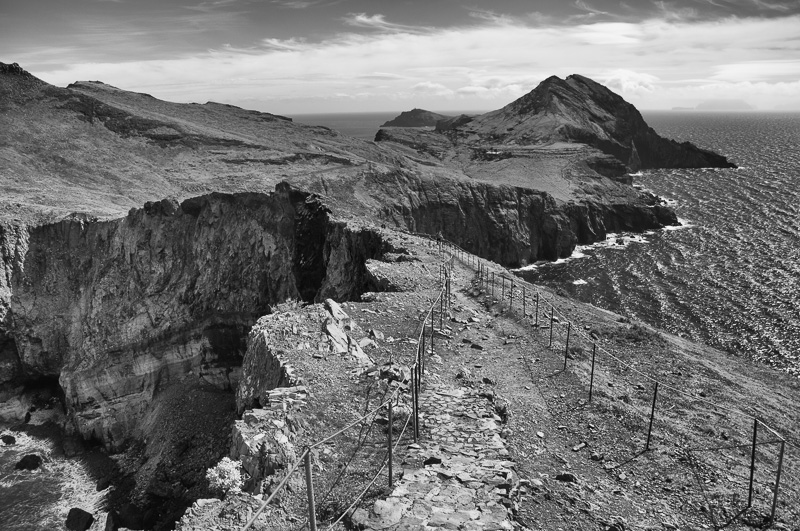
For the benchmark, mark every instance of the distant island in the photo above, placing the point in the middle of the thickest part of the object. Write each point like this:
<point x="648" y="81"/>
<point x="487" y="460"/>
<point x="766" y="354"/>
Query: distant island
<point x="416" y="118"/>
<point x="718" y="105"/>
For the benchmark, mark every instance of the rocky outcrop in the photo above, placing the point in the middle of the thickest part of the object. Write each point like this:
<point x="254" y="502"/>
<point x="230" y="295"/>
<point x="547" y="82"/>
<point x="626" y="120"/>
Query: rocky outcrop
<point x="119" y="309"/>
<point x="510" y="225"/>
<point x="579" y="109"/>
<point x="416" y="118"/>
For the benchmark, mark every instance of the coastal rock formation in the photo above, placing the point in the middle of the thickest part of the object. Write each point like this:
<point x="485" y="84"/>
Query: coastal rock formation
<point x="579" y="109"/>
<point x="508" y="224"/>
<point x="117" y="310"/>
<point x="416" y="118"/>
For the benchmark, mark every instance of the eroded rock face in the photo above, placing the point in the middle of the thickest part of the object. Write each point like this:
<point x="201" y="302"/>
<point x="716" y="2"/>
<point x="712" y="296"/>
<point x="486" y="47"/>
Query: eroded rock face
<point x="119" y="309"/>
<point x="510" y="225"/>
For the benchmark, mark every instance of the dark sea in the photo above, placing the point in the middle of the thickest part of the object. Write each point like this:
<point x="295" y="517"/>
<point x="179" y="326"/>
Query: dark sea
<point x="730" y="276"/>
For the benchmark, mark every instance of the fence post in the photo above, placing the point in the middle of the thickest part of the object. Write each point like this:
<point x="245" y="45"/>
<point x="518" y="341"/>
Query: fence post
<point x="414" y="402"/>
<point x="312" y="508"/>
<point x="511" y="299"/>
<point x="777" y="482"/>
<point x="591" y="378"/>
<point x="552" y="318"/>
<point x="431" y="331"/>
<point x="752" y="463"/>
<point x="441" y="310"/>
<point x="492" y="283"/>
<point x="524" y="304"/>
<point x="503" y="287"/>
<point x="566" y="348"/>
<point x="389" y="441"/>
<point x="536" y="322"/>
<point x="652" y="414"/>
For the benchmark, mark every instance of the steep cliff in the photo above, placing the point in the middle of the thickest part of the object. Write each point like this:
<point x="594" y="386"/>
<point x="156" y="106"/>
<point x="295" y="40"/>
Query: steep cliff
<point x="511" y="225"/>
<point x="119" y="309"/>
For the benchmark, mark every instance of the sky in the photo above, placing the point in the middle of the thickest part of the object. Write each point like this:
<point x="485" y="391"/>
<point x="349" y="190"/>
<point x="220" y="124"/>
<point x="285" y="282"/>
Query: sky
<point x="314" y="56"/>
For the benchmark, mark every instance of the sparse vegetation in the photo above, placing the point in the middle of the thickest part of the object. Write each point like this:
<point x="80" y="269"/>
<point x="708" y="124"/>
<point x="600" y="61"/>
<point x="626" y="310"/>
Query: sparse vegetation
<point x="225" y="477"/>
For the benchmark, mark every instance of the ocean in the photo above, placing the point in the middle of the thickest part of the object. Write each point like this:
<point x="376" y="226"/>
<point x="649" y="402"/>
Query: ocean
<point x="730" y="276"/>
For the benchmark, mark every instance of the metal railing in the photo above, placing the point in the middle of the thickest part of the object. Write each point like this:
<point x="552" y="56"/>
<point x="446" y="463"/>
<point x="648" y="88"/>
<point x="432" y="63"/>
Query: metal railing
<point x="540" y="313"/>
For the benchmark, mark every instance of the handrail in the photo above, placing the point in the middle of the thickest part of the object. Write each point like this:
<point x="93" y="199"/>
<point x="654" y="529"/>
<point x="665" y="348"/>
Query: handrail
<point x="601" y="349"/>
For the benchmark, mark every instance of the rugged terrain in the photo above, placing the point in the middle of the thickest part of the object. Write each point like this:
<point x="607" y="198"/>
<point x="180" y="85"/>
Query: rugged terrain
<point x="148" y="249"/>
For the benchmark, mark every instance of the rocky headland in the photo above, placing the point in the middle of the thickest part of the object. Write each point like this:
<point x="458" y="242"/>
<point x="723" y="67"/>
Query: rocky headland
<point x="163" y="261"/>
<point x="416" y="118"/>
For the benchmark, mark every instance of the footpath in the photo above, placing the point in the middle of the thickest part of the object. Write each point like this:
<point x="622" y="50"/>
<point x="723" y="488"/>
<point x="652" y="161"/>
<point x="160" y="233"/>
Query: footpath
<point x="458" y="476"/>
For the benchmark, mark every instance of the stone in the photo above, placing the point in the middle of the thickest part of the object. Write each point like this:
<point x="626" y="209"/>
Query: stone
<point x="567" y="477"/>
<point x="8" y="439"/>
<point x="79" y="520"/>
<point x="29" y="462"/>
<point x="112" y="521"/>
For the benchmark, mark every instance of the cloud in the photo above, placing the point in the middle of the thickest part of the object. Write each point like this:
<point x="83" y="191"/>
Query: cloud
<point x="436" y="89"/>
<point x="656" y="63"/>
<point x="378" y="22"/>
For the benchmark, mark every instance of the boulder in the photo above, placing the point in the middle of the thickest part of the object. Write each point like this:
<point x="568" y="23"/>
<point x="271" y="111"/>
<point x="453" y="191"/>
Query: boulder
<point x="29" y="462"/>
<point x="79" y="520"/>
<point x="8" y="439"/>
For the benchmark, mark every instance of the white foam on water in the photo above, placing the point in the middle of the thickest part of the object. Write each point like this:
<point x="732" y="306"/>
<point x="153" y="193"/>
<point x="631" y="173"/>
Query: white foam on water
<point x="579" y="282"/>
<point x="684" y="224"/>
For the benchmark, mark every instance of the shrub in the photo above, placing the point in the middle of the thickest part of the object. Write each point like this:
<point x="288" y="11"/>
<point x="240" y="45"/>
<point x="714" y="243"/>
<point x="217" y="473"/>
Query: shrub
<point x="225" y="477"/>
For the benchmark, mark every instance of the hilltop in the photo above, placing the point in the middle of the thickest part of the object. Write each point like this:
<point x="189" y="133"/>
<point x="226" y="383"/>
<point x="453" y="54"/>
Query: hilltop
<point x="416" y="118"/>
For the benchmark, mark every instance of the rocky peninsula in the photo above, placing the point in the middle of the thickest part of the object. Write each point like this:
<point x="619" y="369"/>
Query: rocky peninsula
<point x="167" y="266"/>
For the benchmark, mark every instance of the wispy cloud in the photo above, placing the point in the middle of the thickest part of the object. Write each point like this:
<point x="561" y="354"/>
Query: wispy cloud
<point x="378" y="22"/>
<point x="656" y="63"/>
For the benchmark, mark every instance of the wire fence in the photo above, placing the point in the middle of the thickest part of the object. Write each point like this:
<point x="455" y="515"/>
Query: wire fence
<point x="364" y="435"/>
<point x="739" y="469"/>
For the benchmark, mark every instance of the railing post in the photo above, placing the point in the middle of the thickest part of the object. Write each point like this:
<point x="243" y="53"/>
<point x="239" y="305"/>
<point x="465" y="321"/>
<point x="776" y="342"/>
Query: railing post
<point x="752" y="463"/>
<point x="492" y="283"/>
<point x="652" y="414"/>
<point x="414" y="402"/>
<point x="536" y="322"/>
<point x="503" y="287"/>
<point x="777" y="483"/>
<point x="566" y="348"/>
<point x="431" y="331"/>
<point x="389" y="442"/>
<point x="591" y="378"/>
<point x="552" y="318"/>
<point x="312" y="508"/>
<point x="524" y="304"/>
<point x="441" y="310"/>
<point x="511" y="300"/>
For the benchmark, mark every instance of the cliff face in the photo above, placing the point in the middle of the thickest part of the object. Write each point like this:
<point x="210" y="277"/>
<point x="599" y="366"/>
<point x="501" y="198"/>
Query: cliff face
<point x="117" y="310"/>
<point x="507" y="224"/>
<point x="581" y="110"/>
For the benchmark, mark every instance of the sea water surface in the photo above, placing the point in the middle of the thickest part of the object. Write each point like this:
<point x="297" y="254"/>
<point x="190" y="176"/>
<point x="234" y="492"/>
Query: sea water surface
<point x="730" y="277"/>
